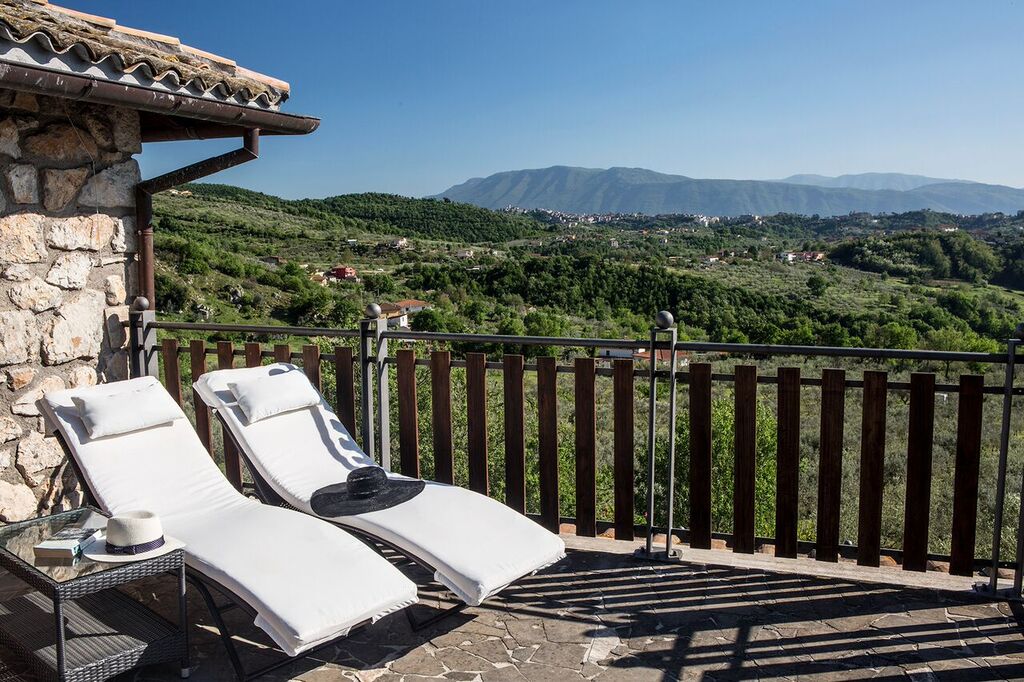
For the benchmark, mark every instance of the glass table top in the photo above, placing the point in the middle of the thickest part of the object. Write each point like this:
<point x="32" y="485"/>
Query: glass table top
<point x="20" y="539"/>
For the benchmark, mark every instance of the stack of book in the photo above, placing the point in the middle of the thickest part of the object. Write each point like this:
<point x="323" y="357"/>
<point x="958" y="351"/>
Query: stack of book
<point x="69" y="541"/>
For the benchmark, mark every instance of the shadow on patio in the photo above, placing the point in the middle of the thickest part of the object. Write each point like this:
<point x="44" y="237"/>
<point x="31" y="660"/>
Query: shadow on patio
<point x="606" y="616"/>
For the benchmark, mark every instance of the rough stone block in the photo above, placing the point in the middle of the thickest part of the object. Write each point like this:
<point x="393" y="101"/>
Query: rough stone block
<point x="18" y="336"/>
<point x="60" y="187"/>
<point x="76" y="331"/>
<point x="20" y="377"/>
<point x="70" y="270"/>
<point x="26" y="406"/>
<point x="82" y="376"/>
<point x="124" y="236"/>
<point x="115" y="366"/>
<point x="25" y="101"/>
<point x="17" y="273"/>
<point x="113" y="187"/>
<point x="113" y="288"/>
<point x="21" y="238"/>
<point x="36" y="454"/>
<point x="127" y="131"/>
<point x="23" y="180"/>
<point x="35" y="295"/>
<point x="100" y="128"/>
<point x="17" y="503"/>
<point x="117" y="334"/>
<point x="9" y="138"/>
<point x="87" y="232"/>
<point x="61" y="143"/>
<point x="9" y="430"/>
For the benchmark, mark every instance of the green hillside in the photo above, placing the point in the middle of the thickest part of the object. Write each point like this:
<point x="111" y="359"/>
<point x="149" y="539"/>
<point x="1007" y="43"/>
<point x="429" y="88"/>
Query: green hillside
<point x="213" y="241"/>
<point x="232" y="255"/>
<point x="379" y="213"/>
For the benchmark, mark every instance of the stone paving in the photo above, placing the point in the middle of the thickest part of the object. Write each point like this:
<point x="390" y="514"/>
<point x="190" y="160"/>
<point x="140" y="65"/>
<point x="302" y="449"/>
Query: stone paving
<point x="606" y="616"/>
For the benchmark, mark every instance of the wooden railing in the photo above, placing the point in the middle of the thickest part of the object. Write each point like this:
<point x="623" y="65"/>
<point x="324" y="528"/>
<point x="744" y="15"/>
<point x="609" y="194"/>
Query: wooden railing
<point x="831" y="388"/>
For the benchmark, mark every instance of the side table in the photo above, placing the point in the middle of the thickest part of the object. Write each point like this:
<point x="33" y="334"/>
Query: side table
<point x="73" y="624"/>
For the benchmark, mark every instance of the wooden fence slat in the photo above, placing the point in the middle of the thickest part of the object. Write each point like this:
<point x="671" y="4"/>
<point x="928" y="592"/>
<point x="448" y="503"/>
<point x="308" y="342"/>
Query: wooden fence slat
<point x="476" y="420"/>
<point x="830" y="463"/>
<point x="311" y="364"/>
<point x="172" y="368"/>
<point x="225" y="355"/>
<point x="232" y="462"/>
<point x="586" y="447"/>
<point x="515" y="433"/>
<point x="875" y="398"/>
<point x="547" y="442"/>
<point x="408" y="425"/>
<point x="965" y="482"/>
<point x="744" y="466"/>
<point x="282" y="352"/>
<point x="441" y="415"/>
<point x="787" y="484"/>
<point x="918" y="506"/>
<point x="197" y="356"/>
<point x="700" y="455"/>
<point x="624" y="455"/>
<point x="253" y="354"/>
<point x="345" y="388"/>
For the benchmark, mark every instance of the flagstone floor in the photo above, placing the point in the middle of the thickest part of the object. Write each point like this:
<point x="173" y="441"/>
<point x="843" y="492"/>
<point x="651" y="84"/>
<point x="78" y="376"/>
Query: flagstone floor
<point x="606" y="616"/>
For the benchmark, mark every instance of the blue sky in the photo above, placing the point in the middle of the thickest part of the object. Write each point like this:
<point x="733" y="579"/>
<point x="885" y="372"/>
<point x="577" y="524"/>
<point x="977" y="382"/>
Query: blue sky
<point x="418" y="95"/>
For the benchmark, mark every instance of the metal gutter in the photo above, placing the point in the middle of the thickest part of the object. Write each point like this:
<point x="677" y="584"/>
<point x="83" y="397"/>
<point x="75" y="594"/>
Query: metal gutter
<point x="45" y="82"/>
<point x="145" y="190"/>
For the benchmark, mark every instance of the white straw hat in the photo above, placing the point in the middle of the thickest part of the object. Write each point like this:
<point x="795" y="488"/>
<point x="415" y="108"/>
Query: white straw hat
<point x="131" y="536"/>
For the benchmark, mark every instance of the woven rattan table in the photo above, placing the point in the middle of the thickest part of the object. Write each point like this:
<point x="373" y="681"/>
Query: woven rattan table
<point x="72" y="623"/>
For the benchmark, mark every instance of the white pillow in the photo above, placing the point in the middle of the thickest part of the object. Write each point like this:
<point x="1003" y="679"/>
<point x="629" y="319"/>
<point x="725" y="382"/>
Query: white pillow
<point x="266" y="396"/>
<point x="123" y="412"/>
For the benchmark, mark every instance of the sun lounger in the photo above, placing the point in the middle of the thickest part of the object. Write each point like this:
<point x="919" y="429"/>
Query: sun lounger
<point x="475" y="546"/>
<point x="307" y="582"/>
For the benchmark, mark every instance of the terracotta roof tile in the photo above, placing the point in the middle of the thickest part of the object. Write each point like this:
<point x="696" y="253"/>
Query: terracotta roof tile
<point x="162" y="59"/>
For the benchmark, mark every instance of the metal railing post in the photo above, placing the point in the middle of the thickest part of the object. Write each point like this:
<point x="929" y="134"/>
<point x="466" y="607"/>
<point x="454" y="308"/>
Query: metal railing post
<point x="652" y="406"/>
<point x="142" y="353"/>
<point x="383" y="395"/>
<point x="1018" y="568"/>
<point x="664" y="323"/>
<point x="673" y="337"/>
<point x="367" y="357"/>
<point x="1004" y="449"/>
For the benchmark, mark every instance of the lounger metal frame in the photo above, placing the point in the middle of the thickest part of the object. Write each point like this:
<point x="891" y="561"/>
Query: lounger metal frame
<point x="206" y="586"/>
<point x="266" y="494"/>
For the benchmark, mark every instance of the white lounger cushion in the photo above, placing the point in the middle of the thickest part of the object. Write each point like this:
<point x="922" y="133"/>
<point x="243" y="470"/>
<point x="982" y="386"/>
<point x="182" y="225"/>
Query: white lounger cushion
<point x="266" y="396"/>
<point x="308" y="581"/>
<point x="476" y="545"/>
<point x="110" y="414"/>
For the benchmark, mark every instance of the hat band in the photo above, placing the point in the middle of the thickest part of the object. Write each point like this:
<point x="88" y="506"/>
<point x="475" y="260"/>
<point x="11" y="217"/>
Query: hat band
<point x="135" y="549"/>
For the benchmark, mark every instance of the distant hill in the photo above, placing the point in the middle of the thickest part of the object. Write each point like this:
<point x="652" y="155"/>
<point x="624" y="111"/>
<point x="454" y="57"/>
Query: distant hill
<point x="900" y="182"/>
<point x="637" y="190"/>
<point x="386" y="214"/>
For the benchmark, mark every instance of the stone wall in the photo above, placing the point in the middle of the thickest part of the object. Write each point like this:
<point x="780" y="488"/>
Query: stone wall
<point x="67" y="232"/>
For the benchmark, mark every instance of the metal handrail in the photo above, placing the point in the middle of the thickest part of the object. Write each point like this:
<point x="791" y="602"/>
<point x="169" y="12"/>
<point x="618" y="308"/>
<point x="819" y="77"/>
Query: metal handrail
<point x="618" y="344"/>
<point x="253" y="329"/>
<point x="840" y="351"/>
<point x="563" y="341"/>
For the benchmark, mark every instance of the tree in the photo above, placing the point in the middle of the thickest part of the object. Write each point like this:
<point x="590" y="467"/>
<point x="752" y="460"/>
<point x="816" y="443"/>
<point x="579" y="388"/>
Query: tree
<point x="540" y="323"/>
<point x="429" y="320"/>
<point x="892" y="335"/>
<point x="379" y="283"/>
<point x="171" y="295"/>
<point x="817" y="285"/>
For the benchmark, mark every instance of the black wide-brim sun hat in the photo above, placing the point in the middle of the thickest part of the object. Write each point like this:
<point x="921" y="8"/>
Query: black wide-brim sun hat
<point x="368" y="489"/>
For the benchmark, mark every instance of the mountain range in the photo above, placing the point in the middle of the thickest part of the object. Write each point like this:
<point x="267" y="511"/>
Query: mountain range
<point x="638" y="190"/>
